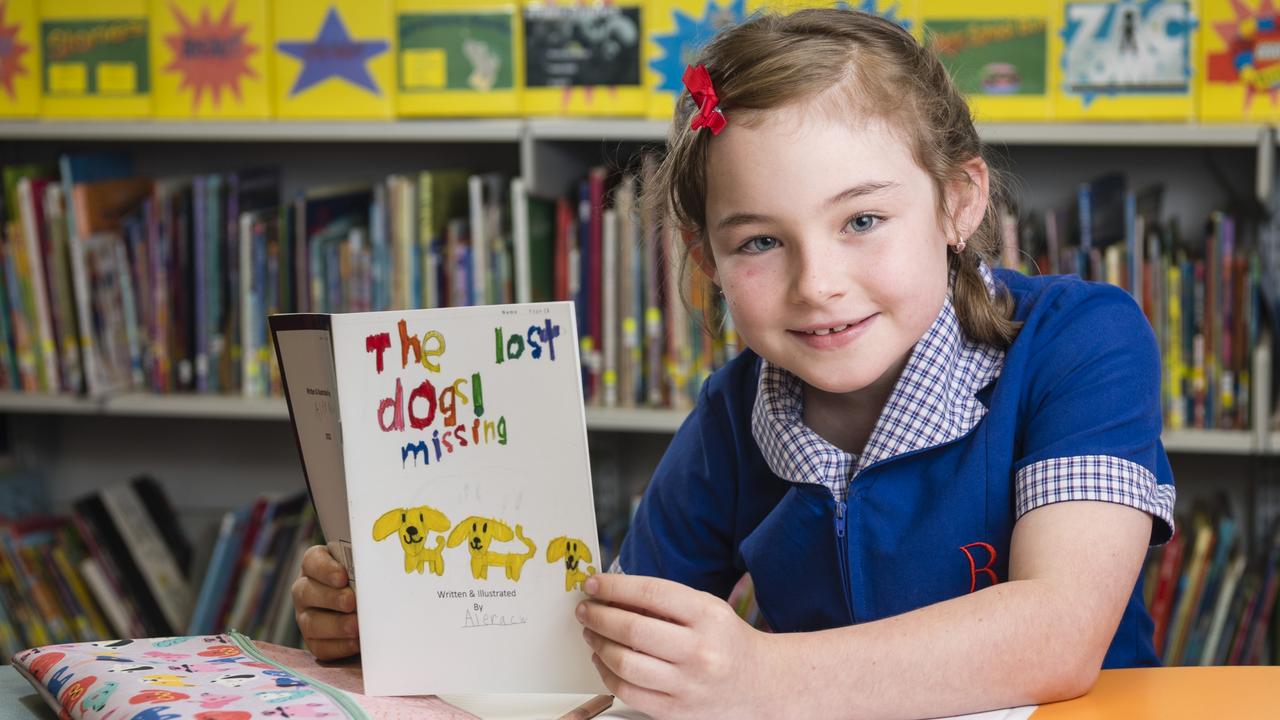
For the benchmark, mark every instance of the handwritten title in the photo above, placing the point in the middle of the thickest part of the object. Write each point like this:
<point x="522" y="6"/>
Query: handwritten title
<point x="448" y="416"/>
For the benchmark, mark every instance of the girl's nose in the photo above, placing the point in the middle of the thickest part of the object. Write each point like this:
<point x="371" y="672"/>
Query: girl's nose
<point x="817" y="277"/>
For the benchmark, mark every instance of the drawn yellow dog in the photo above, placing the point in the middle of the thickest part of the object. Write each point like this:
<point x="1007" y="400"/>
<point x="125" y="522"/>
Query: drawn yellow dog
<point x="573" y="551"/>
<point x="479" y="532"/>
<point x="412" y="525"/>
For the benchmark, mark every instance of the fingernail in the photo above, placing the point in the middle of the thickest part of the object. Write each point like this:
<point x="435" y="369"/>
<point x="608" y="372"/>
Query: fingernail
<point x="581" y="612"/>
<point x="591" y="585"/>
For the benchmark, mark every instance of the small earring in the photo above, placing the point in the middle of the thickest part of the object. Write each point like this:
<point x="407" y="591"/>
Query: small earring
<point x="959" y="246"/>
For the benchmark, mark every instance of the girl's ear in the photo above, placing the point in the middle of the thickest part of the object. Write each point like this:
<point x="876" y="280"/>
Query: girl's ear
<point x="968" y="196"/>
<point x="700" y="254"/>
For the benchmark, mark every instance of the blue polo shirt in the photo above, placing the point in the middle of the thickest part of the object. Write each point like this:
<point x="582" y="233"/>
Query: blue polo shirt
<point x="972" y="438"/>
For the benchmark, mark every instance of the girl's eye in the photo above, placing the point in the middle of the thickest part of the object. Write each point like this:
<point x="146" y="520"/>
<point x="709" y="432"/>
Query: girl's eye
<point x="863" y="223"/>
<point x="759" y="244"/>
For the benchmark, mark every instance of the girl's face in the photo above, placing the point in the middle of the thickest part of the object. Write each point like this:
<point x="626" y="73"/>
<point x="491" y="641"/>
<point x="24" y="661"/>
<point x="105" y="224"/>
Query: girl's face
<point x="827" y="244"/>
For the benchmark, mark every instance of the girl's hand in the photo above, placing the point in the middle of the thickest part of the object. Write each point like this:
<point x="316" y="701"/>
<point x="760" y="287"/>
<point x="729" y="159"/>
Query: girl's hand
<point x="325" y="606"/>
<point x="672" y="651"/>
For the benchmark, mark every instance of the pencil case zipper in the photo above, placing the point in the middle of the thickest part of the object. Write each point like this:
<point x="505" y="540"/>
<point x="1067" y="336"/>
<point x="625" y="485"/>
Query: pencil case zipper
<point x="343" y="700"/>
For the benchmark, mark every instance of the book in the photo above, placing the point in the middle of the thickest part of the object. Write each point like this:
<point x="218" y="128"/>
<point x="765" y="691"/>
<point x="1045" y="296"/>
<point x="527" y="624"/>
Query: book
<point x="20" y="64"/>
<point x="675" y="30"/>
<point x="584" y="59"/>
<point x="217" y="576"/>
<point x="95" y="59"/>
<point x="333" y="60"/>
<point x="1126" y="59"/>
<point x="997" y="53"/>
<point x="1239" y="79"/>
<point x="459" y="57"/>
<point x="149" y="551"/>
<point x="445" y="454"/>
<point x="210" y="59"/>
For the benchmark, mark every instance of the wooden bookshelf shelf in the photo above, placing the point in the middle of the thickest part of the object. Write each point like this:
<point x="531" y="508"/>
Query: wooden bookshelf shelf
<point x="580" y="129"/>
<point x="640" y="420"/>
<point x="475" y="130"/>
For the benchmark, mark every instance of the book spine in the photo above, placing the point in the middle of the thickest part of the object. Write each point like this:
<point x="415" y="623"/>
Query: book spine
<point x="143" y="541"/>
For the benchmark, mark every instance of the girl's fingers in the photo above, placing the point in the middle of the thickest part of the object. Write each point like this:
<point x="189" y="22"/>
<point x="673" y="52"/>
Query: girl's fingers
<point x="320" y="566"/>
<point x="652" y="636"/>
<point x="651" y="596"/>
<point x="645" y="700"/>
<point x="635" y="667"/>
<point x="308" y="593"/>
<point x="317" y="624"/>
<point x="333" y="649"/>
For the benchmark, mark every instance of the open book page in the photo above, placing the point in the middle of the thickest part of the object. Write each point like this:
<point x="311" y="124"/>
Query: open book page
<point x="305" y="350"/>
<point x="469" y="496"/>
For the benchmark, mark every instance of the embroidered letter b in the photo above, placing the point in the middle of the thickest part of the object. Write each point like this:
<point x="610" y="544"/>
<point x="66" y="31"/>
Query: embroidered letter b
<point x="974" y="570"/>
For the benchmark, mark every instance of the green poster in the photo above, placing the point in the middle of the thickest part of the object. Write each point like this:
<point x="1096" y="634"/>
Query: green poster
<point x="993" y="56"/>
<point x="455" y="51"/>
<point x="95" y="57"/>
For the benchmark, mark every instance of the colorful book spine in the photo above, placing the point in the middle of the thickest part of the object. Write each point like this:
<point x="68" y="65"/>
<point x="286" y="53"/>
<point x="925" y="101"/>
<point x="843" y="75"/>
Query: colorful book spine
<point x="210" y="59"/>
<point x="997" y="53"/>
<point x="584" y="59"/>
<point x="459" y="57"/>
<point x="333" y="60"/>
<point x="1125" y="59"/>
<point x="95" y="59"/>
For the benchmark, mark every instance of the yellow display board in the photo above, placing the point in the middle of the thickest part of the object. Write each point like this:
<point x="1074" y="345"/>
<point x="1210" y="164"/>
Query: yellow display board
<point x="584" y="58"/>
<point x="459" y="57"/>
<point x="19" y="59"/>
<point x="1127" y="59"/>
<point x="333" y="59"/>
<point x="210" y="59"/>
<point x="997" y="52"/>
<point x="95" y="59"/>
<point x="1239" y="75"/>
<point x="677" y="30"/>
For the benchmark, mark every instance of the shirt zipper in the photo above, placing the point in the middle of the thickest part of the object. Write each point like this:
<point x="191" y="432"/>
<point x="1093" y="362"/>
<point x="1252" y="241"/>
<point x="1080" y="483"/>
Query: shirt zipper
<point x="342" y="699"/>
<point x="842" y="549"/>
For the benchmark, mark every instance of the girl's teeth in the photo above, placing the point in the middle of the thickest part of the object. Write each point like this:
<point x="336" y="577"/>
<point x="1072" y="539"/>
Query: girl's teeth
<point x="828" y="331"/>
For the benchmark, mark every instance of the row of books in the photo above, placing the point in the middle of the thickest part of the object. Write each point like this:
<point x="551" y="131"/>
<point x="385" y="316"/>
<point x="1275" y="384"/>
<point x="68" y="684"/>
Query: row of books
<point x="113" y="282"/>
<point x="182" y="59"/>
<point x="118" y="567"/>
<point x="1212" y="595"/>
<point x="1202" y="290"/>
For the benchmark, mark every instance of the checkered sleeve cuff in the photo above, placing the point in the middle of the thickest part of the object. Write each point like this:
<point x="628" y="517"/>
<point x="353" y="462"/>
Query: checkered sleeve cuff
<point x="1097" y="477"/>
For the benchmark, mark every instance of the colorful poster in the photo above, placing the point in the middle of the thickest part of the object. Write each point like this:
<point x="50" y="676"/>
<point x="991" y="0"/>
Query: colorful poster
<point x="210" y="58"/>
<point x="95" y="59"/>
<point x="584" y="59"/>
<point x="333" y="59"/>
<point x="1241" y="76"/>
<point x="677" y="30"/>
<point x="997" y="52"/>
<point x="446" y="453"/>
<point x="1128" y="59"/>
<point x="459" y="58"/>
<point x="19" y="59"/>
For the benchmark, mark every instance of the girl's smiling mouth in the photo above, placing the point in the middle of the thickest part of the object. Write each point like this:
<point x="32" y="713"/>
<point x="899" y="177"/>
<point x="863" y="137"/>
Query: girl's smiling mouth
<point x="837" y="334"/>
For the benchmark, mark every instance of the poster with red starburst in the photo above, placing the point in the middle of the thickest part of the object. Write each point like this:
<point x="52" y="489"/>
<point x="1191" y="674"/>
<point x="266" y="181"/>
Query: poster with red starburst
<point x="19" y="59"/>
<point x="1241" y="79"/>
<point x="210" y="59"/>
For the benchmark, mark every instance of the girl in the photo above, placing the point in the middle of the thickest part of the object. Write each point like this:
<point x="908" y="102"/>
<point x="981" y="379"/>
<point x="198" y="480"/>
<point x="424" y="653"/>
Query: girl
<point x="942" y="479"/>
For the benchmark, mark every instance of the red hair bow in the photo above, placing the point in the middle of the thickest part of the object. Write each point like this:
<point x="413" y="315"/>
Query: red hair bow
<point x="698" y="80"/>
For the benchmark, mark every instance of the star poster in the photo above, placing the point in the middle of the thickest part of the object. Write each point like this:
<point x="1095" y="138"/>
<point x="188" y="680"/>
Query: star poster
<point x="211" y="58"/>
<point x="334" y="59"/>
<point x="19" y="59"/>
<point x="1241" y="77"/>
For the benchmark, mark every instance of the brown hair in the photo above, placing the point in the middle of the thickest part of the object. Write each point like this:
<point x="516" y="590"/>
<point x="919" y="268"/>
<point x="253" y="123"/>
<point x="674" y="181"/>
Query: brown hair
<point x="772" y="60"/>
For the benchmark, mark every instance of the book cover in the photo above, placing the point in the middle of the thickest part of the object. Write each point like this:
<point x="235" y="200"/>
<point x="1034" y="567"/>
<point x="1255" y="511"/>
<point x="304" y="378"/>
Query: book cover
<point x="95" y="59"/>
<point x="459" y="57"/>
<point x="997" y="53"/>
<point x="1240" y="77"/>
<point x="19" y="59"/>
<point x="333" y="60"/>
<point x="473" y="525"/>
<point x="584" y="59"/>
<point x="210" y="59"/>
<point x="149" y="550"/>
<point x="1127" y="60"/>
<point x="675" y="30"/>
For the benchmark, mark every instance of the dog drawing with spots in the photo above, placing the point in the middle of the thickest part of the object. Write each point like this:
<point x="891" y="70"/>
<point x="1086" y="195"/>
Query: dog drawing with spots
<point x="479" y="533"/>
<point x="572" y="551"/>
<point x="411" y="525"/>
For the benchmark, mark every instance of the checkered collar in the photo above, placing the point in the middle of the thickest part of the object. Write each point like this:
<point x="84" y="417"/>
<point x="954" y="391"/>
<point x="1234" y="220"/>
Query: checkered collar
<point x="933" y="402"/>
